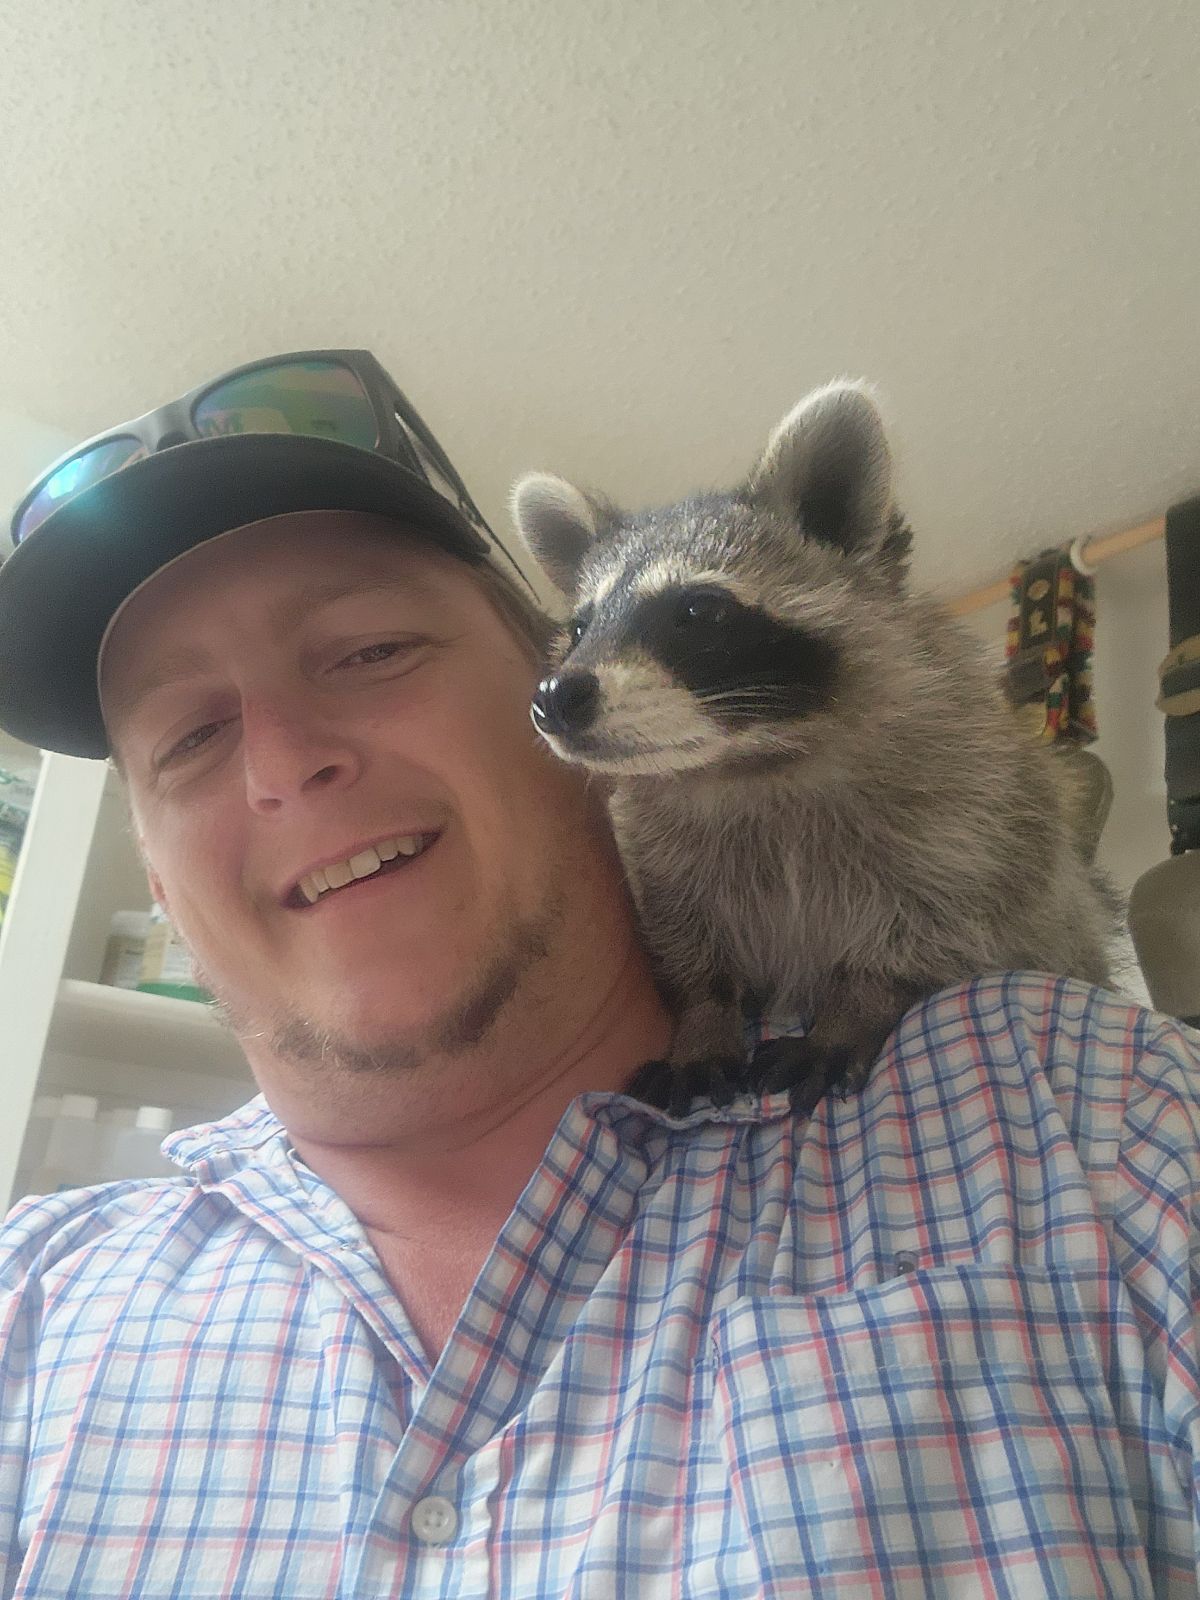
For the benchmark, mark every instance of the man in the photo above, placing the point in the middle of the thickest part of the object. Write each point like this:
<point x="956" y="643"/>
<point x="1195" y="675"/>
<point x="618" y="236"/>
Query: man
<point x="443" y="1311"/>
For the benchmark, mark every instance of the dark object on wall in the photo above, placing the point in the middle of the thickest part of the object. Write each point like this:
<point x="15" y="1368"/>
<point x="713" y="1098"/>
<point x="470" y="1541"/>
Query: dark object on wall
<point x="1048" y="650"/>
<point x="1164" y="908"/>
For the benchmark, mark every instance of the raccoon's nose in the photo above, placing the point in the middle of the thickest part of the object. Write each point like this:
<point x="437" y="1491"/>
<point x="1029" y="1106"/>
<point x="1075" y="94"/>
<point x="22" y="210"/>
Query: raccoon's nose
<point x="566" y="704"/>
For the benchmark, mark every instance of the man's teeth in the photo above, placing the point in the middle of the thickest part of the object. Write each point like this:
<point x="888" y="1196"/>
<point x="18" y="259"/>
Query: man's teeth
<point x="336" y="876"/>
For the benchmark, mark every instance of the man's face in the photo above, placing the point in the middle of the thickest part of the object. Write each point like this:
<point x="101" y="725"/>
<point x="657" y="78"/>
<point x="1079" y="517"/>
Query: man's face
<point x="286" y="700"/>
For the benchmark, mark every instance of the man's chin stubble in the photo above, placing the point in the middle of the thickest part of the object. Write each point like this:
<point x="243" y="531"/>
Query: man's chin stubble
<point x="466" y="1024"/>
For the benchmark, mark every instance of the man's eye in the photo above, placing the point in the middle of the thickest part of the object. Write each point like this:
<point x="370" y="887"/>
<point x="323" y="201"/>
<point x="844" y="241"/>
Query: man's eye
<point x="192" y="741"/>
<point x="371" y="654"/>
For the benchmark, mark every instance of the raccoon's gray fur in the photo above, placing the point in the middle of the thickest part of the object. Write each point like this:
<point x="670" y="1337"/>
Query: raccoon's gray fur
<point x="818" y="792"/>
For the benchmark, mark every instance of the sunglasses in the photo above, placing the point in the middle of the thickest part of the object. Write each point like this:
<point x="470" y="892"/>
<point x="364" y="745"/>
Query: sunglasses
<point x="344" y="395"/>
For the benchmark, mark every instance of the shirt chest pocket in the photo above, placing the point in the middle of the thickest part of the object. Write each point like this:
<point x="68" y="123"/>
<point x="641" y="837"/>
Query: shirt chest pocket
<point x="947" y="1433"/>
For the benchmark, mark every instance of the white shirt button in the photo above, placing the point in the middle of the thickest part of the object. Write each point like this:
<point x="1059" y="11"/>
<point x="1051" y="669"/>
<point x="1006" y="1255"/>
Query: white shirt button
<point x="434" y="1520"/>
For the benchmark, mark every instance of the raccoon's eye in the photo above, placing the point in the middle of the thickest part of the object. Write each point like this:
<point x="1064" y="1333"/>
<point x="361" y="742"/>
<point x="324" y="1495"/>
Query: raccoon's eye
<point x="578" y="625"/>
<point x="706" y="610"/>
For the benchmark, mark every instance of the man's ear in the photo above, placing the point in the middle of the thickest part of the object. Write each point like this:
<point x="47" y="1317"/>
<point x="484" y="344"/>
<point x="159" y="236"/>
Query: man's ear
<point x="156" y="888"/>
<point x="827" y="466"/>
<point x="152" y="877"/>
<point x="558" y="524"/>
<point x="139" y="844"/>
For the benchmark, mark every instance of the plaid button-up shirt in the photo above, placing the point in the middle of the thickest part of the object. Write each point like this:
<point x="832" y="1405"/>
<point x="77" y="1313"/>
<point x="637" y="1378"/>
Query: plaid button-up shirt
<point x="940" y="1339"/>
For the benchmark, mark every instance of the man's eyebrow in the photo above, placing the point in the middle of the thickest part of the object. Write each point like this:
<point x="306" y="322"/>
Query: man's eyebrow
<point x="291" y="610"/>
<point x="168" y="669"/>
<point x="285" y="617"/>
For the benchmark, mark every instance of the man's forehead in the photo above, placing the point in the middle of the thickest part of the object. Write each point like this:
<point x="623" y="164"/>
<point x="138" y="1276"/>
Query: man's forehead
<point x="282" y="611"/>
<point x="149" y="652"/>
<point x="287" y="609"/>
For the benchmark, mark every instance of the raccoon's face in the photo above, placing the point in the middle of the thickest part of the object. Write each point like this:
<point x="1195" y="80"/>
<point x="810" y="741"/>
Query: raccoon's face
<point x="663" y="675"/>
<point x="729" y="631"/>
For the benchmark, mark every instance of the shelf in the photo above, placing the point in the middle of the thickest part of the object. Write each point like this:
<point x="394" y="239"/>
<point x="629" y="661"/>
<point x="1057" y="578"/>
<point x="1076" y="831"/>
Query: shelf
<point x="98" y="1021"/>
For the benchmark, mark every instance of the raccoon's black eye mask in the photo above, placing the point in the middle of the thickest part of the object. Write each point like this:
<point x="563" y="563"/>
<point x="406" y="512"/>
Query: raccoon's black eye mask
<point x="694" y="609"/>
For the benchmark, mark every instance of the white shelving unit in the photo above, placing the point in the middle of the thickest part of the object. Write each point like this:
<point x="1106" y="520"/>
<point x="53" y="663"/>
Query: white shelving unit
<point x="63" y="1031"/>
<point x="96" y="1021"/>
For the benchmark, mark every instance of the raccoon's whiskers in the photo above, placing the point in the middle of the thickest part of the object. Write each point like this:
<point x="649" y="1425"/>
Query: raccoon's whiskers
<point x="766" y="692"/>
<point x="747" y="702"/>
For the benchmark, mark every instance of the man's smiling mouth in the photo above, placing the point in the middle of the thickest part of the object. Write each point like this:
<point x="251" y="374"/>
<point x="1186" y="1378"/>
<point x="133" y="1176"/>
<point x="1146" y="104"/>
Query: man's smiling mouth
<point x="388" y="855"/>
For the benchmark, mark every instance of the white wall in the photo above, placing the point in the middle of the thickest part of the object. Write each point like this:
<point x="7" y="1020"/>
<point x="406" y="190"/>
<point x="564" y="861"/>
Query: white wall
<point x="619" y="241"/>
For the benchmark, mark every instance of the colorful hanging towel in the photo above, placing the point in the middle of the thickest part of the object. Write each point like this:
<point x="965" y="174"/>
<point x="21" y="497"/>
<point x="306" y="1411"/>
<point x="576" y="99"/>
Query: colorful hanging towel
<point x="1048" y="648"/>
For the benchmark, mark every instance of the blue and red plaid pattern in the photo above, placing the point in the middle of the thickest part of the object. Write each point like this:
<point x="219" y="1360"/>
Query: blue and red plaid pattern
<point x="938" y="1340"/>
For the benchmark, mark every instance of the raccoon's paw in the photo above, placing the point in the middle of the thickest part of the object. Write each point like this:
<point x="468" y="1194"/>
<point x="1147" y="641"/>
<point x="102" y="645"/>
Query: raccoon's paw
<point x="718" y="1078"/>
<point x="652" y="1083"/>
<point x="673" y="1088"/>
<point x="808" y="1071"/>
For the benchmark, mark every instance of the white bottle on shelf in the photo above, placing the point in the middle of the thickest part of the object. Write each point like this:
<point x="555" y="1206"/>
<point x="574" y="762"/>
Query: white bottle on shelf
<point x="69" y="1161"/>
<point x="126" y="949"/>
<point x="136" y="1152"/>
<point x="109" y="1124"/>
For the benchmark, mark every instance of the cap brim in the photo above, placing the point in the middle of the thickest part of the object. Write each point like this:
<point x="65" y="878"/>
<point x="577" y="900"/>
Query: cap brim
<point x="62" y="585"/>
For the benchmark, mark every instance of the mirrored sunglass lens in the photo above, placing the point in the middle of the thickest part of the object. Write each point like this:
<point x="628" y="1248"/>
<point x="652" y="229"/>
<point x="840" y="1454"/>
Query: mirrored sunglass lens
<point x="318" y="398"/>
<point x="81" y="472"/>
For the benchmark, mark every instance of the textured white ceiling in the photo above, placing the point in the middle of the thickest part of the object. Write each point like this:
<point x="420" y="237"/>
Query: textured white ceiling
<point x="619" y="239"/>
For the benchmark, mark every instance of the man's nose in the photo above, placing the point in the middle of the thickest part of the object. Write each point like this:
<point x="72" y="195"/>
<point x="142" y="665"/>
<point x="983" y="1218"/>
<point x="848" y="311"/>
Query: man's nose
<point x="288" y="752"/>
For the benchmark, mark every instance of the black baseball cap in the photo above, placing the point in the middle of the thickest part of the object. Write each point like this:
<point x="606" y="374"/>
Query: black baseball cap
<point x="75" y="565"/>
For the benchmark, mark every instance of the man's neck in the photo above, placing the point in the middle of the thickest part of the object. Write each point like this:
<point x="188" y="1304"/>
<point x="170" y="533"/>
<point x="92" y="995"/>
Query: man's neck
<point x="447" y="1159"/>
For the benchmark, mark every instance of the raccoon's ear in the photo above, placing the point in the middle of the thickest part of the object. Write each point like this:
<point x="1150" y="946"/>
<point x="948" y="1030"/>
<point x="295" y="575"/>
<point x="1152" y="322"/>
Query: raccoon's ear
<point x="558" y="523"/>
<point x="828" y="466"/>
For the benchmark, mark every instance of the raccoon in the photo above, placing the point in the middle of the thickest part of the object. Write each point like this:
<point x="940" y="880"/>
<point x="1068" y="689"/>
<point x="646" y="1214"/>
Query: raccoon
<point x="822" y="802"/>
